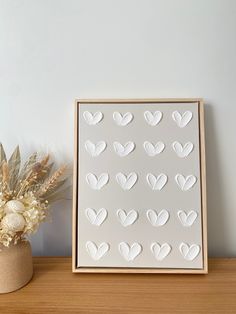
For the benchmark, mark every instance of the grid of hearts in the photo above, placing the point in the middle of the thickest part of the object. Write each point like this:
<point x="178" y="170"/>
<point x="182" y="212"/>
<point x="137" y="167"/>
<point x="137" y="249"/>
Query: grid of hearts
<point x="127" y="182"/>
<point x="122" y="150"/>
<point x="152" y="118"/>
<point x="130" y="252"/>
<point x="156" y="219"/>
<point x="156" y="182"/>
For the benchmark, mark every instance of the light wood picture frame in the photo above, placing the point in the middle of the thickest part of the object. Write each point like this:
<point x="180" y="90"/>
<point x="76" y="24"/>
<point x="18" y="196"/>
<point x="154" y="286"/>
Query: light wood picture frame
<point x="152" y="155"/>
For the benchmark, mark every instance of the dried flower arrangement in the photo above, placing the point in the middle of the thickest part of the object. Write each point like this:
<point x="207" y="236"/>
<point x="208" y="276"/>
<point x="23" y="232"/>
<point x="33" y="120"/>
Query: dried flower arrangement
<point x="26" y="193"/>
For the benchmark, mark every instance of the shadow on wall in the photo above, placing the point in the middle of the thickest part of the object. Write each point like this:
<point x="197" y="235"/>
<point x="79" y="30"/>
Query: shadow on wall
<point x="54" y="236"/>
<point x="217" y="227"/>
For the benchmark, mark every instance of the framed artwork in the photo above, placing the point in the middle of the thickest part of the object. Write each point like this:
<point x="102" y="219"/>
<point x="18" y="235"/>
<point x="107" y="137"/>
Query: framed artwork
<point x="139" y="186"/>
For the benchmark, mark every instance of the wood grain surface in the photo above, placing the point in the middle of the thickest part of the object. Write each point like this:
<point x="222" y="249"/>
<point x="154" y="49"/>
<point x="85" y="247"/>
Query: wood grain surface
<point x="55" y="289"/>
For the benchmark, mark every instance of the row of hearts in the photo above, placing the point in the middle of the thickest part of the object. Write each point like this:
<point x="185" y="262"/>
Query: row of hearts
<point x="157" y="219"/>
<point x="128" y="181"/>
<point x="95" y="149"/>
<point x="152" y="118"/>
<point x="130" y="252"/>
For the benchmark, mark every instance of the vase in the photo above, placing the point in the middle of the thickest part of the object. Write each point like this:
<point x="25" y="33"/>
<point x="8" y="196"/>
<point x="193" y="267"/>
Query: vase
<point x="16" y="266"/>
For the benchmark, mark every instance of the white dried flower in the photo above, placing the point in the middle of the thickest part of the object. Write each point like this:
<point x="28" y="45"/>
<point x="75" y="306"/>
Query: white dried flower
<point x="2" y="203"/>
<point x="33" y="218"/>
<point x="14" y="206"/>
<point x="32" y="213"/>
<point x="13" y="222"/>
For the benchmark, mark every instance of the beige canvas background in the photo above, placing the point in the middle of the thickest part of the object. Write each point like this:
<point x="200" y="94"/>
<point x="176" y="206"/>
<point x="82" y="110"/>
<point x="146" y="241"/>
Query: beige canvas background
<point x="140" y="197"/>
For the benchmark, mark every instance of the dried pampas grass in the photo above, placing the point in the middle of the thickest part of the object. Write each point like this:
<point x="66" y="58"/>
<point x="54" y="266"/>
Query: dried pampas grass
<point x="32" y="186"/>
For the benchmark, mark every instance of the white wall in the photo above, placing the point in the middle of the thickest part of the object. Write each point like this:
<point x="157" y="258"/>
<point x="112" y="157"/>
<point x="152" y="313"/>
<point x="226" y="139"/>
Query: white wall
<point x="52" y="51"/>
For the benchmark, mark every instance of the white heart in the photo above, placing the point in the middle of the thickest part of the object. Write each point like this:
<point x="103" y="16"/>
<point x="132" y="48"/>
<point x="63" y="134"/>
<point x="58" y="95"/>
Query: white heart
<point x="189" y="252"/>
<point x="122" y="120"/>
<point x="153" y="118"/>
<point x="95" y="149"/>
<point x="157" y="183"/>
<point x="182" y="150"/>
<point x="96" y="252"/>
<point x="96" y="183"/>
<point x="187" y="219"/>
<point x="126" y="182"/>
<point x="158" y="219"/>
<point x="182" y="120"/>
<point x="160" y="251"/>
<point x="123" y="150"/>
<point x="127" y="219"/>
<point x="96" y="217"/>
<point x="185" y="183"/>
<point x="92" y="119"/>
<point x="152" y="149"/>
<point x="130" y="252"/>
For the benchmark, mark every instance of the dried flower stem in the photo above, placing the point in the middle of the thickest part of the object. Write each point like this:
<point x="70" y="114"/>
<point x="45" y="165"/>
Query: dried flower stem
<point x="52" y="181"/>
<point x="5" y="180"/>
<point x="5" y="172"/>
<point x="35" y="172"/>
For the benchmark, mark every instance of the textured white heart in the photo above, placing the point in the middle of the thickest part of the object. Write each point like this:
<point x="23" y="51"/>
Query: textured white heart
<point x="156" y="183"/>
<point x="95" y="149"/>
<point x="93" y="119"/>
<point x="153" y="118"/>
<point x="187" y="219"/>
<point x="126" y="182"/>
<point x="158" y="219"/>
<point x="160" y="251"/>
<point x="122" y="120"/>
<point x="96" y="183"/>
<point x="127" y="219"/>
<point x="182" y="120"/>
<point x="153" y="150"/>
<point x="185" y="183"/>
<point x="96" y="217"/>
<point x="189" y="252"/>
<point x="123" y="150"/>
<point x="97" y="252"/>
<point x="182" y="150"/>
<point x="130" y="252"/>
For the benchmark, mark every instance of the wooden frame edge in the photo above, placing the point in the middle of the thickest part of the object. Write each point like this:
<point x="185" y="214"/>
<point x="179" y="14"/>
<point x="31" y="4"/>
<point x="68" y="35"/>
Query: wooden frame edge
<point x="110" y="270"/>
<point x="203" y="184"/>
<point x="138" y="100"/>
<point x="74" y="212"/>
<point x="203" y="270"/>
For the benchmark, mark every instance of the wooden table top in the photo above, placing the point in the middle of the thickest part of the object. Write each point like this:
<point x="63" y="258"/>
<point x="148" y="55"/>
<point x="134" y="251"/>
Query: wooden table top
<point x="55" y="289"/>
